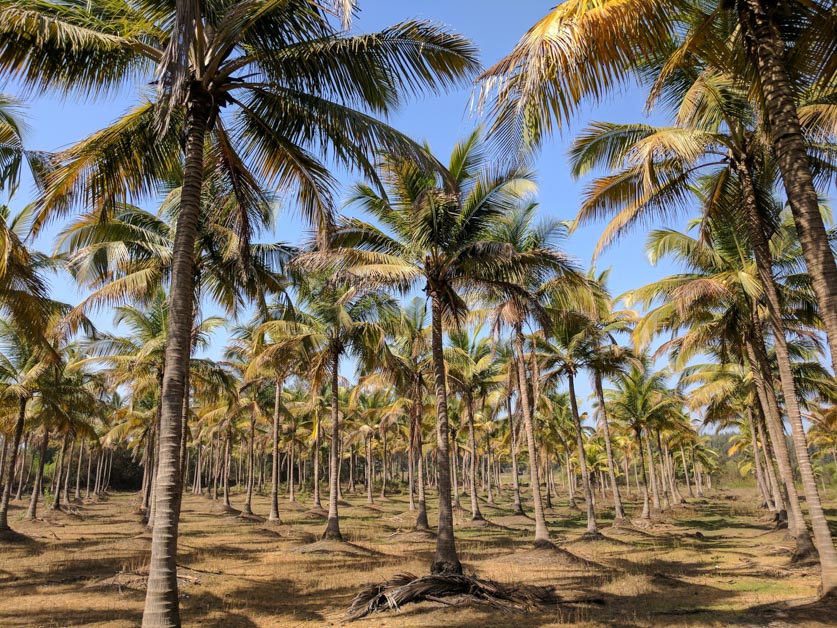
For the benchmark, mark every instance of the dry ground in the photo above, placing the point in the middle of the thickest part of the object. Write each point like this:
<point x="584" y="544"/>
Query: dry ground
<point x="86" y="567"/>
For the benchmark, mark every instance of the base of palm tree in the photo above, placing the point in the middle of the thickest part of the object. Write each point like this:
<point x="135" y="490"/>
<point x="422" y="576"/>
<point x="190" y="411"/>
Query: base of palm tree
<point x="448" y="589"/>
<point x="622" y="522"/>
<point x="10" y="536"/>
<point x="593" y="535"/>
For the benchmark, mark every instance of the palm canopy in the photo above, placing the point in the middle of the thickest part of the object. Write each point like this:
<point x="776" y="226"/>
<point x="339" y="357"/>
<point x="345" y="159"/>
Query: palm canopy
<point x="292" y="82"/>
<point x="436" y="229"/>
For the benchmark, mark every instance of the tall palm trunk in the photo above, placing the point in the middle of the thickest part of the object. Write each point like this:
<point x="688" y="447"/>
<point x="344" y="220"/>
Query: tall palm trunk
<point x="8" y="476"/>
<point x="518" y="507"/>
<point x="37" y="486"/>
<point x="760" y="480"/>
<point x="274" y="449"/>
<point x="332" y="530"/>
<point x="421" y="518"/>
<point x="77" y="494"/>
<point x="767" y="48"/>
<point x="619" y="514"/>
<point x="446" y="559"/>
<point x="592" y="528"/>
<point x="767" y="452"/>
<point x="764" y="263"/>
<point x="646" y="506"/>
<point x="59" y="474"/>
<point x="161" y="599"/>
<point x="251" y="476"/>
<point x="541" y="531"/>
<point x="476" y="515"/>
<point x="369" y="470"/>
<point x="773" y="418"/>
<point x="652" y="472"/>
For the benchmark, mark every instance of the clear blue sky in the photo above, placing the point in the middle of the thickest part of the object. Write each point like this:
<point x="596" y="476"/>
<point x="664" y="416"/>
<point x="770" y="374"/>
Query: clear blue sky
<point x="495" y="26"/>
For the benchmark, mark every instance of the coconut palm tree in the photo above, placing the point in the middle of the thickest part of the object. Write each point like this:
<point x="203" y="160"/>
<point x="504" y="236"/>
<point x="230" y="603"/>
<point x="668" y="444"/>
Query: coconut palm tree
<point x="519" y="231"/>
<point x="436" y="231"/>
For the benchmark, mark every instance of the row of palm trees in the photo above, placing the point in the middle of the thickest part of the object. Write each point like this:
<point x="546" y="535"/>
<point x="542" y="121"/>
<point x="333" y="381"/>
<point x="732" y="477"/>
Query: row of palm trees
<point x="256" y="95"/>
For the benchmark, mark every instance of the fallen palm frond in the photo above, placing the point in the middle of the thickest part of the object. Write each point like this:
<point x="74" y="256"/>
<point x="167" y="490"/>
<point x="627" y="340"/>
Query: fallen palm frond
<point x="404" y="588"/>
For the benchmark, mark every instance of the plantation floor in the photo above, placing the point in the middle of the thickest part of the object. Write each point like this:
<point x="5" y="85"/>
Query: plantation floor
<point x="87" y="567"/>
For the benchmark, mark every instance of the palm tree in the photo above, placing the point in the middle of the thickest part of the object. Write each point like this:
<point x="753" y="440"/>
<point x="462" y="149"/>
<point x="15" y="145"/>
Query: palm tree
<point x="286" y="70"/>
<point x="436" y="230"/>
<point x="518" y="231"/>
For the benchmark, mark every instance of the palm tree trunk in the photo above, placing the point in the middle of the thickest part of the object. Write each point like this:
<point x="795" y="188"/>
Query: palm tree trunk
<point x="421" y="518"/>
<point x="317" y="500"/>
<point x="518" y="507"/>
<point x="455" y="469"/>
<point x="764" y="263"/>
<point x="332" y="530"/>
<point x="369" y="469"/>
<point x="225" y="471"/>
<point x="446" y="560"/>
<point x="792" y="158"/>
<point x="655" y="493"/>
<point x="274" y="449"/>
<point x="592" y="528"/>
<point x="251" y="477"/>
<point x="22" y="465"/>
<point x="59" y="469"/>
<point x="570" y="483"/>
<point x="662" y="485"/>
<point x="66" y="474"/>
<point x="161" y="599"/>
<point x="769" y="458"/>
<point x="611" y="467"/>
<point x="8" y="476"/>
<point x="541" y="531"/>
<point x="476" y="515"/>
<point x="37" y="486"/>
<point x="686" y="472"/>
<point x="411" y="463"/>
<point x="757" y="461"/>
<point x="77" y="494"/>
<point x="646" y="506"/>
<point x="291" y="487"/>
<point x="488" y="467"/>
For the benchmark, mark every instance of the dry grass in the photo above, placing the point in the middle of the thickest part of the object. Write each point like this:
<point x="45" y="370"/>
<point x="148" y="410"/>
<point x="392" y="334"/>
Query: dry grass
<point x="88" y="567"/>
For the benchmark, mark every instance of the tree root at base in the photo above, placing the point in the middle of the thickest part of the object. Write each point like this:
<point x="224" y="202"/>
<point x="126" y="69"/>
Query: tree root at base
<point x="452" y="590"/>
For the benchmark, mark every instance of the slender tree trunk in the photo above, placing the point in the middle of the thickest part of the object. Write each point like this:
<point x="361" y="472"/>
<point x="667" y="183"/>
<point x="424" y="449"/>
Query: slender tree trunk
<point x="760" y="481"/>
<point x="421" y="518"/>
<point x="490" y="496"/>
<point x="686" y="472"/>
<point x="411" y="463"/>
<point x="446" y="559"/>
<point x="661" y="484"/>
<point x="646" y="506"/>
<point x="317" y="501"/>
<point x="518" y="507"/>
<point x="369" y="469"/>
<point x="161" y="599"/>
<point x="22" y="466"/>
<point x="37" y="486"/>
<point x="592" y="528"/>
<point x="455" y="467"/>
<point x="767" y="48"/>
<point x="274" y="449"/>
<point x="251" y="476"/>
<point x="58" y="473"/>
<point x="655" y="491"/>
<point x="541" y="531"/>
<point x="77" y="495"/>
<point x="332" y="530"/>
<point x="768" y="459"/>
<point x="619" y="511"/>
<point x="291" y="492"/>
<point x="225" y="470"/>
<point x="822" y="535"/>
<point x="8" y="476"/>
<point x="476" y="515"/>
<point x="762" y="376"/>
